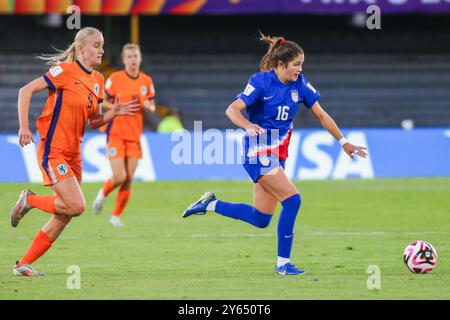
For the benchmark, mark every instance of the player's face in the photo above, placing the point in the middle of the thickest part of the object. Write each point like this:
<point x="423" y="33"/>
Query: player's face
<point x="294" y="68"/>
<point x="92" y="51"/>
<point x="132" y="59"/>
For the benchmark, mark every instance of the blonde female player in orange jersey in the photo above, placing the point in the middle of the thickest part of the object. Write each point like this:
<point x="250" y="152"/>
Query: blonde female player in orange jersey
<point x="124" y="134"/>
<point x="75" y="97"/>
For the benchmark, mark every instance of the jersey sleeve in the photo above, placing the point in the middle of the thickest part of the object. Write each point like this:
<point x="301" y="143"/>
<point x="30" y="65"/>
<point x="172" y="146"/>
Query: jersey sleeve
<point x="310" y="94"/>
<point x="56" y="77"/>
<point x="252" y="91"/>
<point x="110" y="87"/>
<point x="151" y="89"/>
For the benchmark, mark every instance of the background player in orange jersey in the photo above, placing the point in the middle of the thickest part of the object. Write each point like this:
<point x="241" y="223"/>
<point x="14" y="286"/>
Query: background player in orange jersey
<point x="75" y="98"/>
<point x="124" y="133"/>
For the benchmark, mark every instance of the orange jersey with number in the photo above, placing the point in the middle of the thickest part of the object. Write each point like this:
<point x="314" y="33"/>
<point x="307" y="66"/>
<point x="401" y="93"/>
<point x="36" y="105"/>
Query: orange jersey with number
<point x="74" y="96"/>
<point x="124" y="87"/>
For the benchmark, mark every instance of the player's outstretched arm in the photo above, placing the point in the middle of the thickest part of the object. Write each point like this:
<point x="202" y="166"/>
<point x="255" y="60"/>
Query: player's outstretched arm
<point x="118" y="109"/>
<point x="234" y="113"/>
<point x="23" y="105"/>
<point x="330" y="125"/>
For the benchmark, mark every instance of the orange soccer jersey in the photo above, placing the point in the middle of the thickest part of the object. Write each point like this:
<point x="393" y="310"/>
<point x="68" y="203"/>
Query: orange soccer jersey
<point x="74" y="96"/>
<point x="126" y="88"/>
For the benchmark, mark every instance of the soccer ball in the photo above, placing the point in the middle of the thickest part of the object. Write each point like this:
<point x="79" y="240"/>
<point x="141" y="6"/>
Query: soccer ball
<point x="420" y="257"/>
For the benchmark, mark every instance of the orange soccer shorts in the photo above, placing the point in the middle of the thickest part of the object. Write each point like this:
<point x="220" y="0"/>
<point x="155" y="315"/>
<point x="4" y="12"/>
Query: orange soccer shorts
<point x="119" y="148"/>
<point x="57" y="164"/>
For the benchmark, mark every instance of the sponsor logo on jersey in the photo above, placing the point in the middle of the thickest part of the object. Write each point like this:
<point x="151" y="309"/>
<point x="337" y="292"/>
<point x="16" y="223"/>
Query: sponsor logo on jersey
<point x="294" y="95"/>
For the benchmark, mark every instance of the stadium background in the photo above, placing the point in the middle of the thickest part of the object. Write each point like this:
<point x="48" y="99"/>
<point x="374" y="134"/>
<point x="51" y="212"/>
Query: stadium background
<point x="370" y="81"/>
<point x="200" y="59"/>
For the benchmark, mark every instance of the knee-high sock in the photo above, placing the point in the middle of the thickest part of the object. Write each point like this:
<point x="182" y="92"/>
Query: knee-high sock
<point x="286" y="225"/>
<point x="108" y="187"/>
<point x="41" y="243"/>
<point x="244" y="212"/>
<point x="44" y="203"/>
<point x="121" y="201"/>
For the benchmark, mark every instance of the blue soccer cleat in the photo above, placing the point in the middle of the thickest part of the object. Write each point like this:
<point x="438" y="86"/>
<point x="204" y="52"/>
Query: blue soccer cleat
<point x="199" y="207"/>
<point x="288" y="269"/>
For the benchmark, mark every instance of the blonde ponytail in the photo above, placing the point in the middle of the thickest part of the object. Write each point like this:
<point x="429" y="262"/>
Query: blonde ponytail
<point x="69" y="55"/>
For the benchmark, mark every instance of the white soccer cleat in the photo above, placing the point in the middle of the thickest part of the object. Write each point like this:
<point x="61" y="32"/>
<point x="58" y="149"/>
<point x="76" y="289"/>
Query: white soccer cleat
<point x="26" y="270"/>
<point x="98" y="202"/>
<point x="21" y="208"/>
<point x="116" y="222"/>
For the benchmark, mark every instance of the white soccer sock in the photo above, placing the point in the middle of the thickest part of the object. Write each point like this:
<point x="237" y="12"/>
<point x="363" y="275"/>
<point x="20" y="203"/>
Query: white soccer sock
<point x="100" y="196"/>
<point x="282" y="261"/>
<point x="211" y="206"/>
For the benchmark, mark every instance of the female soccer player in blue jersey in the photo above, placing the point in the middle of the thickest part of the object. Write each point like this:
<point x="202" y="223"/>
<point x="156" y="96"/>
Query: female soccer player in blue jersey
<point x="271" y="100"/>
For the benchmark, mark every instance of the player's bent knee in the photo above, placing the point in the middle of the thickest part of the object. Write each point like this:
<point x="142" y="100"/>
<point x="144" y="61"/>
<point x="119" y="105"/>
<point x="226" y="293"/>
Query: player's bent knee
<point x="120" y="179"/>
<point x="78" y="209"/>
<point x="262" y="224"/>
<point x="126" y="183"/>
<point x="263" y="220"/>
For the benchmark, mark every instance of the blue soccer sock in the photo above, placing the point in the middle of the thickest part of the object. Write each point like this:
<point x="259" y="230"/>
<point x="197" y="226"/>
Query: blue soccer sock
<point x="286" y="222"/>
<point x="244" y="212"/>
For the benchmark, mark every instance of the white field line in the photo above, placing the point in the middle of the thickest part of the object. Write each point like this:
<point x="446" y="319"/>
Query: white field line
<point x="266" y="235"/>
<point x="350" y="233"/>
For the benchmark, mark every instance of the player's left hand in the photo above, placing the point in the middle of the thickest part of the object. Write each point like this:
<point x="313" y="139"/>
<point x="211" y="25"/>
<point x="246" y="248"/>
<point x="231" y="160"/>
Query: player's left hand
<point x="353" y="150"/>
<point x="150" y="106"/>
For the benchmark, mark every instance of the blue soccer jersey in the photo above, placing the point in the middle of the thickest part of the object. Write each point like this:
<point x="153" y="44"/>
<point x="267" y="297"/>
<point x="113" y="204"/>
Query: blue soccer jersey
<point x="272" y="105"/>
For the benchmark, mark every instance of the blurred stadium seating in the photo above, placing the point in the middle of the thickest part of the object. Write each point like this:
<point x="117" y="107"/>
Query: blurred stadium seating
<point x="358" y="90"/>
<point x="366" y="78"/>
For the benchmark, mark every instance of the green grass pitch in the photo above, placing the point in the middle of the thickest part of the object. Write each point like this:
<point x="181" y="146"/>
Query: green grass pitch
<point x="343" y="228"/>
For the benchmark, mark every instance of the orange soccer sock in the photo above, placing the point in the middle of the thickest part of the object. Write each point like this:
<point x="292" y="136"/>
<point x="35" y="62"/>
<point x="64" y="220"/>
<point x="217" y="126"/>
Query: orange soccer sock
<point x="44" y="203"/>
<point x="108" y="187"/>
<point x="121" y="201"/>
<point x="41" y="243"/>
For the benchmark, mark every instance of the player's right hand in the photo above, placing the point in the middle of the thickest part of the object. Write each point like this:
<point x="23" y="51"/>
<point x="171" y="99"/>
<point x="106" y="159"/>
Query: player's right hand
<point x="25" y="137"/>
<point x="254" y="130"/>
<point x="128" y="108"/>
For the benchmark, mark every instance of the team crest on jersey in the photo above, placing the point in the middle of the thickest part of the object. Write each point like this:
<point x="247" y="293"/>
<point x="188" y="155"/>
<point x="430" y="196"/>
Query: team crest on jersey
<point x="112" y="152"/>
<point x="62" y="169"/>
<point x="294" y="95"/>
<point x="96" y="89"/>
<point x="143" y="90"/>
<point x="265" y="161"/>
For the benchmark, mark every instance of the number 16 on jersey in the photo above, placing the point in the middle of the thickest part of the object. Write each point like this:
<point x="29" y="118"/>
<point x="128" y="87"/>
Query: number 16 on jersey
<point x="283" y="113"/>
